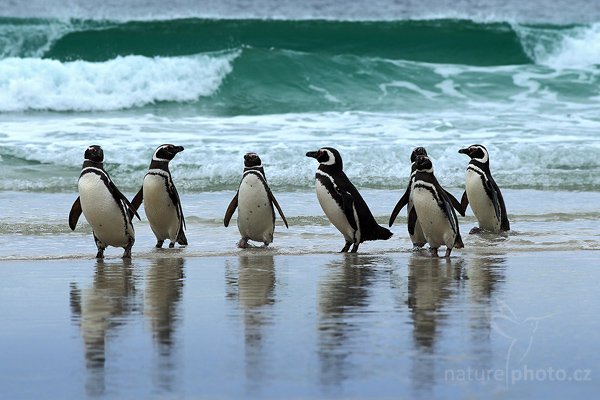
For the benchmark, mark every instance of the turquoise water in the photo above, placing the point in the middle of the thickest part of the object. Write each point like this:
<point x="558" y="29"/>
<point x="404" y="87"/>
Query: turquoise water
<point x="222" y="87"/>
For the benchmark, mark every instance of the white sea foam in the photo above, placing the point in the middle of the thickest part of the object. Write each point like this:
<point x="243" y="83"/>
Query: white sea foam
<point x="547" y="152"/>
<point x="124" y="82"/>
<point x="569" y="48"/>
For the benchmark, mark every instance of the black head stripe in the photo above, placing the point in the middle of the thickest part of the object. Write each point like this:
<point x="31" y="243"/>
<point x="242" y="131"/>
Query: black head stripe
<point x="166" y="152"/>
<point x="423" y="163"/>
<point x="94" y="153"/>
<point x="252" y="160"/>
<point x="417" y="151"/>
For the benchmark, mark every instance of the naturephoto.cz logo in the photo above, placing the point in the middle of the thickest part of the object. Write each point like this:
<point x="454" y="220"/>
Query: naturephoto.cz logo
<point x="520" y="333"/>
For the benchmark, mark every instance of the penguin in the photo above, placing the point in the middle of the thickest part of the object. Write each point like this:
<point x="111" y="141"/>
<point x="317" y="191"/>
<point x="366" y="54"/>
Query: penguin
<point x="417" y="237"/>
<point x="254" y="201"/>
<point x="342" y="203"/>
<point x="161" y="200"/>
<point x="483" y="193"/>
<point x="105" y="208"/>
<point x="433" y="209"/>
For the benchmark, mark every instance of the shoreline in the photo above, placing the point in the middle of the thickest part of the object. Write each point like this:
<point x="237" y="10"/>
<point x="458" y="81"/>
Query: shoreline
<point x="422" y="254"/>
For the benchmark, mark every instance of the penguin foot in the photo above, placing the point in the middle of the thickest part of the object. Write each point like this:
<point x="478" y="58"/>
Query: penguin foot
<point x="159" y="244"/>
<point x="346" y="247"/>
<point x="171" y="245"/>
<point x="127" y="252"/>
<point x="433" y="251"/>
<point x="448" y="251"/>
<point x="475" y="230"/>
<point x="243" y="243"/>
<point x="100" y="254"/>
<point x="417" y="246"/>
<point x="354" y="248"/>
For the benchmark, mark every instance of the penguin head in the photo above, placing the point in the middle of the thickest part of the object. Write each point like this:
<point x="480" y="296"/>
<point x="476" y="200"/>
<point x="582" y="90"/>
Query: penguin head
<point x="94" y="153"/>
<point x="417" y="151"/>
<point x="166" y="152"/>
<point x="327" y="156"/>
<point x="423" y="164"/>
<point x="252" y="160"/>
<point x="477" y="152"/>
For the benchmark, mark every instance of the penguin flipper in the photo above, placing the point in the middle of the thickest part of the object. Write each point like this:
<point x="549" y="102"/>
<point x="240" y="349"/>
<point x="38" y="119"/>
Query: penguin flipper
<point x="131" y="211"/>
<point x="177" y="201"/>
<point x="137" y="200"/>
<point x="75" y="213"/>
<point x="181" y="239"/>
<point x="348" y="207"/>
<point x="274" y="201"/>
<point x="455" y="203"/>
<point x="504" y="223"/>
<point x="493" y="194"/>
<point x="464" y="202"/>
<point x="449" y="211"/>
<point x="230" y="209"/>
<point x="401" y="203"/>
<point x="412" y="221"/>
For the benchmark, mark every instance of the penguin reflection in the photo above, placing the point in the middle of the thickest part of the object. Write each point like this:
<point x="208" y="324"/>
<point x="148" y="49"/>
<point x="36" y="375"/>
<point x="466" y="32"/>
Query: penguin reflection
<point x="486" y="273"/>
<point x="164" y="287"/>
<point x="100" y="309"/>
<point x="343" y="294"/>
<point x="256" y="285"/>
<point x="163" y="293"/>
<point x="430" y="284"/>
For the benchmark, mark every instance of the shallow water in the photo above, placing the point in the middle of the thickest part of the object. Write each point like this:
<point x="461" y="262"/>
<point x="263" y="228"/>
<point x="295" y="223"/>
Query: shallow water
<point x="540" y="220"/>
<point x="263" y="325"/>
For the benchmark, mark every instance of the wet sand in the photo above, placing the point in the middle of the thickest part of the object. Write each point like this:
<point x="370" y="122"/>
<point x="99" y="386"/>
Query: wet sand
<point x="260" y="324"/>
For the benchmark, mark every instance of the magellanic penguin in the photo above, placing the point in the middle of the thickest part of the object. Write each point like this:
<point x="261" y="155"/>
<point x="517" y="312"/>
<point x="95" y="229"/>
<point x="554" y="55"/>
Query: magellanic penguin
<point x="342" y="203"/>
<point x="433" y="209"/>
<point x="417" y="237"/>
<point x="105" y="208"/>
<point x="254" y="201"/>
<point x="483" y="193"/>
<point x="161" y="200"/>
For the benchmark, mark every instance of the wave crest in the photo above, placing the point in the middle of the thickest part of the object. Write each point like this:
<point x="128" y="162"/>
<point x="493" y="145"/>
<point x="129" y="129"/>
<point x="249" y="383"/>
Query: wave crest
<point x="121" y="83"/>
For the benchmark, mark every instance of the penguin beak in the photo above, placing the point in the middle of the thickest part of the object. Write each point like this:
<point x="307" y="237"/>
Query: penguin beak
<point x="313" y="154"/>
<point x="177" y="149"/>
<point x="464" y="151"/>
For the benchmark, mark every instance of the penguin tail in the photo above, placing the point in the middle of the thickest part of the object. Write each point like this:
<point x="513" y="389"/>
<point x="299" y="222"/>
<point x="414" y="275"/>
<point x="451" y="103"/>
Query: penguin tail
<point x="181" y="239"/>
<point x="382" y="233"/>
<point x="458" y="243"/>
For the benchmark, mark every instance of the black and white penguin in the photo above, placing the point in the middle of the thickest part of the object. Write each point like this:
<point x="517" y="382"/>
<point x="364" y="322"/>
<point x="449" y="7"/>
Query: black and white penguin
<point x="417" y="237"/>
<point x="161" y="200"/>
<point x="254" y="201"/>
<point x="105" y="208"/>
<point x="342" y="203"/>
<point x="433" y="209"/>
<point x="482" y="192"/>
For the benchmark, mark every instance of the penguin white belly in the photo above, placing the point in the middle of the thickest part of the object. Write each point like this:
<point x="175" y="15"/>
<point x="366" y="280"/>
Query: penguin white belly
<point x="334" y="212"/>
<point x="255" y="212"/>
<point x="159" y="208"/>
<point x="481" y="204"/>
<point x="418" y="238"/>
<point x="434" y="222"/>
<point x="103" y="212"/>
